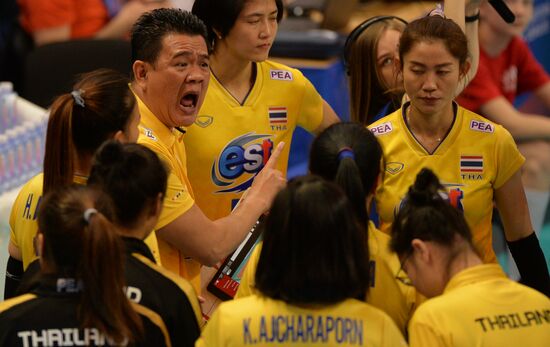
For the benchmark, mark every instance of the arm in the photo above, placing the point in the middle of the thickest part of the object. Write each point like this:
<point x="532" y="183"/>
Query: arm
<point x="14" y="271"/>
<point x="457" y="10"/>
<point x="543" y="94"/>
<point x="50" y="35"/>
<point x="121" y="24"/>
<point x="522" y="126"/>
<point x="117" y="27"/>
<point x="209" y="241"/>
<point x="521" y="238"/>
<point x="329" y="118"/>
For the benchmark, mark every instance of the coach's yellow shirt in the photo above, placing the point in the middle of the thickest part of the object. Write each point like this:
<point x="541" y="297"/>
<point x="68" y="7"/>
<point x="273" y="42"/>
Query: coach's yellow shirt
<point x="261" y="321"/>
<point x="168" y="145"/>
<point x="481" y="307"/>
<point x="475" y="158"/>
<point x="231" y="142"/>
<point x="393" y="297"/>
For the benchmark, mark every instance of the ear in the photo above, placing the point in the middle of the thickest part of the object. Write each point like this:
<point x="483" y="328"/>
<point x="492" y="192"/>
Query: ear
<point x="156" y="207"/>
<point x="421" y="250"/>
<point x="39" y="245"/>
<point x="120" y="136"/>
<point x="140" y="70"/>
<point x="465" y="68"/>
<point x="218" y="33"/>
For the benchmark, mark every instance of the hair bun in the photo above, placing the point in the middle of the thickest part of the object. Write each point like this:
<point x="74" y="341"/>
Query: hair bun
<point x="109" y="153"/>
<point x="425" y="189"/>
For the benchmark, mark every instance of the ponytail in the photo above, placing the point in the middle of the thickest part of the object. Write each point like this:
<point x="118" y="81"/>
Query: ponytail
<point x="60" y="153"/>
<point x="101" y="270"/>
<point x="349" y="155"/>
<point x="100" y="105"/>
<point x="348" y="177"/>
<point x="80" y="241"/>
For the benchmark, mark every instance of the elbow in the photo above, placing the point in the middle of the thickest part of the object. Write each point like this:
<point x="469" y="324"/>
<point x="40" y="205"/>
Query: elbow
<point x="212" y="257"/>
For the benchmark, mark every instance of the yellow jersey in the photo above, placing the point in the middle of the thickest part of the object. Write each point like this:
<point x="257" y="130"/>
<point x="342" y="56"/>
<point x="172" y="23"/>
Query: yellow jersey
<point x="231" y="142"/>
<point x="480" y="306"/>
<point x="24" y="225"/>
<point x="168" y="145"/>
<point x="475" y="158"/>
<point x="261" y="321"/>
<point x="23" y="217"/>
<point x="386" y="293"/>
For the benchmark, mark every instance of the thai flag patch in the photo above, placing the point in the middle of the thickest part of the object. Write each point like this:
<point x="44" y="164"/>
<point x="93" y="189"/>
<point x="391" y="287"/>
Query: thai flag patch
<point x="277" y="115"/>
<point x="471" y="163"/>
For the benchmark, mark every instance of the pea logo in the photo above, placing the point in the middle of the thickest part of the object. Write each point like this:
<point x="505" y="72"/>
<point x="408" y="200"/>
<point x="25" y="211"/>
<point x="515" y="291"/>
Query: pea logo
<point x="240" y="161"/>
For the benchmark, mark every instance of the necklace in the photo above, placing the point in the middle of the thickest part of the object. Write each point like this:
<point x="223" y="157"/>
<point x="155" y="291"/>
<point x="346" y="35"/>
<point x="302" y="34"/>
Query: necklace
<point x="416" y="134"/>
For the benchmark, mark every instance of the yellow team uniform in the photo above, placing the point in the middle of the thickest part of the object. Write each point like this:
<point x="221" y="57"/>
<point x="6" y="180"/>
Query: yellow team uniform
<point x="481" y="307"/>
<point x="261" y="321"/>
<point x="168" y="145"/>
<point x="386" y="293"/>
<point x="24" y="224"/>
<point x="230" y="143"/>
<point x="23" y="217"/>
<point x="475" y="158"/>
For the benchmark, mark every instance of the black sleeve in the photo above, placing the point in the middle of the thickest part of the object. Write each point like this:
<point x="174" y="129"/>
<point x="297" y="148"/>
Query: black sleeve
<point x="14" y="273"/>
<point x="531" y="263"/>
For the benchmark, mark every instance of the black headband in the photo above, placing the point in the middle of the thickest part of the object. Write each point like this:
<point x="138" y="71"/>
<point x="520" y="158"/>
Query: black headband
<point x="354" y="34"/>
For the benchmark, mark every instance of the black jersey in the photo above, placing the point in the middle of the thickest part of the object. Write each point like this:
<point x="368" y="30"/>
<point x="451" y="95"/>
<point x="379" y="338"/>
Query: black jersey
<point x="164" y="292"/>
<point x="48" y="317"/>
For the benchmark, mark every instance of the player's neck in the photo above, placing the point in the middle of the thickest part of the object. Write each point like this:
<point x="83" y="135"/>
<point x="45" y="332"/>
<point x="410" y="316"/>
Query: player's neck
<point x="492" y="42"/>
<point x="233" y="73"/>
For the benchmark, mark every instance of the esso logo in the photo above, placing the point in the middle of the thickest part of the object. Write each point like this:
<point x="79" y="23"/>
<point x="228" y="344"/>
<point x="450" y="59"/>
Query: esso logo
<point x="246" y="154"/>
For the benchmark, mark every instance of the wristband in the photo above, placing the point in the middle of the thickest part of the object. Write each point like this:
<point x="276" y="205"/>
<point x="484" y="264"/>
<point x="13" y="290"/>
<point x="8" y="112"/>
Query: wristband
<point x="531" y="263"/>
<point x="470" y="19"/>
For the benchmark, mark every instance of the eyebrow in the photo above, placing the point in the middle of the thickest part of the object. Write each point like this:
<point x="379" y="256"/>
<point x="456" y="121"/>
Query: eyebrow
<point x="437" y="66"/>
<point x="188" y="54"/>
<point x="261" y="14"/>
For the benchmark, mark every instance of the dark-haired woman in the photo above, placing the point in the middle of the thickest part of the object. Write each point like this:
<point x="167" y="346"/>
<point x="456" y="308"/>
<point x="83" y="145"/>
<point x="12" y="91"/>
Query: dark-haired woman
<point x="251" y="105"/>
<point x="100" y="107"/>
<point x="476" y="159"/>
<point x="348" y="155"/>
<point x="376" y="86"/>
<point x="312" y="275"/>
<point x="137" y="202"/>
<point x="474" y="304"/>
<point x="80" y="297"/>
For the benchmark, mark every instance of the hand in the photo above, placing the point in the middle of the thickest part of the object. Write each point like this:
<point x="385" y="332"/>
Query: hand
<point x="268" y="182"/>
<point x="133" y="9"/>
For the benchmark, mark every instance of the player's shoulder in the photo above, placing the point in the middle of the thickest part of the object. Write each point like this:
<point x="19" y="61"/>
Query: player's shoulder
<point x="274" y="71"/>
<point x="477" y="124"/>
<point x="386" y="125"/>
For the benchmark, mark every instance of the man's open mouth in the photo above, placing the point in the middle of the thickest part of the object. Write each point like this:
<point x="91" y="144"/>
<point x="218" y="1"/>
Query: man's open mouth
<point x="190" y="99"/>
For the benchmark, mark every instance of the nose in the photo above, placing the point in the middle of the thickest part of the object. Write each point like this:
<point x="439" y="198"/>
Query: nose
<point x="429" y="84"/>
<point x="266" y="29"/>
<point x="197" y="74"/>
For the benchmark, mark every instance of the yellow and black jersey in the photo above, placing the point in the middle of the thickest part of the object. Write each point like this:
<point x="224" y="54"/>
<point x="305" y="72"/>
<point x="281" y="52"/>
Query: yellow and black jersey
<point x="48" y="317"/>
<point x="164" y="292"/>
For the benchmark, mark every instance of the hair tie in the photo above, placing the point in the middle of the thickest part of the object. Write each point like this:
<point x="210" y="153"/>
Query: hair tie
<point x="78" y="99"/>
<point x="346" y="152"/>
<point x="437" y="11"/>
<point x="88" y="214"/>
